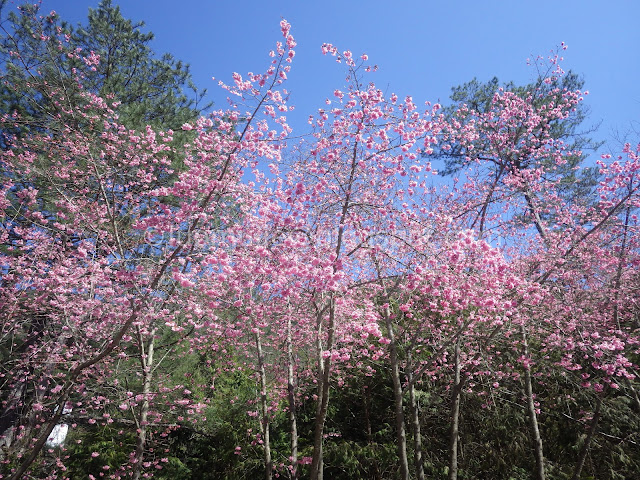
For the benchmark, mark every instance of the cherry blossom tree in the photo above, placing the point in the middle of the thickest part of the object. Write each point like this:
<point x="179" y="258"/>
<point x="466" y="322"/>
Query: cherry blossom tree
<point x="513" y="161"/>
<point x="93" y="265"/>
<point x="307" y="260"/>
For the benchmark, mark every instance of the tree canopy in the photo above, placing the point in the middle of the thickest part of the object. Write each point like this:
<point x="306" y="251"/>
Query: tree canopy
<point x="244" y="302"/>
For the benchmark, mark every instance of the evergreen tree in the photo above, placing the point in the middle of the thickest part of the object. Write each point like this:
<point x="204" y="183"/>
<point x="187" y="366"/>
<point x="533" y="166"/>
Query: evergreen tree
<point x="110" y="57"/>
<point x="475" y="98"/>
<point x="151" y="89"/>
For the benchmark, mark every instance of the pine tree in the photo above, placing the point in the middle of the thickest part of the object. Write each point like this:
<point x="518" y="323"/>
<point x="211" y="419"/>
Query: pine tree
<point x="109" y="57"/>
<point x="151" y="89"/>
<point x="474" y="99"/>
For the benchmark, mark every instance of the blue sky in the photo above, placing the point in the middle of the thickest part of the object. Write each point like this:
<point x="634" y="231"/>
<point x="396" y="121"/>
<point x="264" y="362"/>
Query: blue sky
<point x="422" y="48"/>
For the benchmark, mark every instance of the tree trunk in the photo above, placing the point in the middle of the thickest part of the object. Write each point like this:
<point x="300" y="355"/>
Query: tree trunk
<point x="401" y="435"/>
<point x="46" y="431"/>
<point x="146" y="361"/>
<point x="456" y="393"/>
<point x="324" y="365"/>
<point x="587" y="442"/>
<point x="264" y="424"/>
<point x="66" y="391"/>
<point x="10" y="417"/>
<point x="536" y="439"/>
<point x="415" y="421"/>
<point x="291" y="391"/>
<point x="366" y="396"/>
<point x="18" y="422"/>
<point x="324" y="368"/>
<point x="316" y="458"/>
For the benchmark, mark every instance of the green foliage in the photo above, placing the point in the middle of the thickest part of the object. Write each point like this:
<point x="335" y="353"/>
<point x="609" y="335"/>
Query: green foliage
<point x="347" y="459"/>
<point x="109" y="56"/>
<point x="150" y="88"/>
<point x="360" y="442"/>
<point x="478" y="98"/>
<point x="221" y="442"/>
<point x="207" y="449"/>
<point x="91" y="448"/>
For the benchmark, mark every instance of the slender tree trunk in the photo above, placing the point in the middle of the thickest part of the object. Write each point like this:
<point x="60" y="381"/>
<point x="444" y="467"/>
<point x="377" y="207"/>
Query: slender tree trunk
<point x="324" y="365"/>
<point x="44" y="435"/>
<point x="264" y="424"/>
<point x="619" y="269"/>
<point x="401" y="435"/>
<point x="415" y="420"/>
<point x="536" y="439"/>
<point x="587" y="442"/>
<point x="291" y="391"/>
<point x="146" y="360"/>
<point x="317" y="443"/>
<point x="66" y="391"/>
<point x="537" y="221"/>
<point x="456" y="394"/>
<point x="18" y="421"/>
<point x="366" y="395"/>
<point x="324" y="368"/>
<point x="10" y="417"/>
<point x="13" y="418"/>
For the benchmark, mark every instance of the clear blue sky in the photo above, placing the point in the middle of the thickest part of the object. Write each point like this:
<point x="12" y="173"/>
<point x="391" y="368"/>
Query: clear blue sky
<point x="423" y="48"/>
